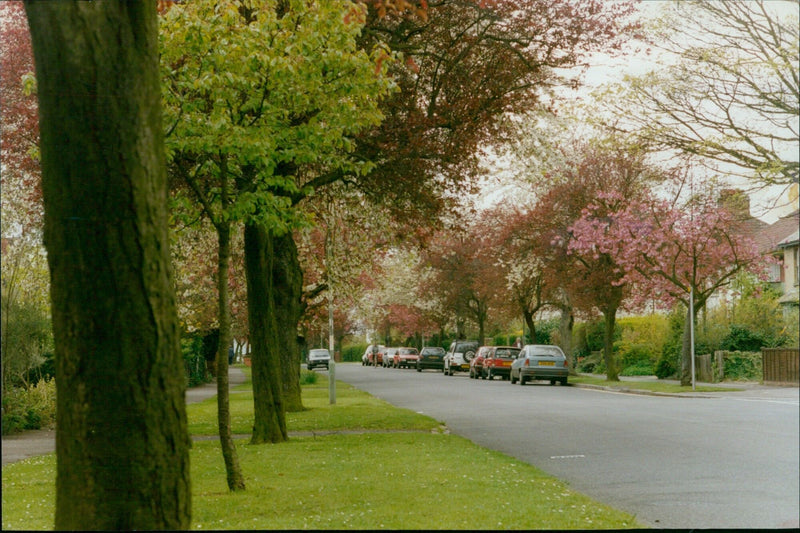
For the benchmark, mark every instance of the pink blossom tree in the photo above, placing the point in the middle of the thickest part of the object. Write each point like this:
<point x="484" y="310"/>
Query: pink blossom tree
<point x="668" y="253"/>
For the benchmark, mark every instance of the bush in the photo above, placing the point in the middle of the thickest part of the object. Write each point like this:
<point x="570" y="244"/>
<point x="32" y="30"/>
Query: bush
<point x="353" y="352"/>
<point x="641" y="368"/>
<point x="308" y="377"/>
<point x="194" y="360"/>
<point x="31" y="408"/>
<point x="592" y="364"/>
<point x="746" y="366"/>
<point x="742" y="339"/>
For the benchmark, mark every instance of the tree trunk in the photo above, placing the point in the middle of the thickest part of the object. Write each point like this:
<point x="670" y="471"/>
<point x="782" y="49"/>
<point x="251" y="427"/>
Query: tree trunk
<point x="528" y="318"/>
<point x="122" y="447"/>
<point x="566" y="324"/>
<point x="610" y="318"/>
<point x="686" y="345"/>
<point x="269" y="424"/>
<point x="287" y="285"/>
<point x="233" y="470"/>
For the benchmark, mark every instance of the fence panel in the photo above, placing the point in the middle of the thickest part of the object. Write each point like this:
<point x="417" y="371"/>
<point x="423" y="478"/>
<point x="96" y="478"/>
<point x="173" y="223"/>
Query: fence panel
<point x="781" y="366"/>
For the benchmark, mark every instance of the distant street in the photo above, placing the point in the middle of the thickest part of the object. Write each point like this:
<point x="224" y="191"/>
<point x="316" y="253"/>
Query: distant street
<point x="725" y="461"/>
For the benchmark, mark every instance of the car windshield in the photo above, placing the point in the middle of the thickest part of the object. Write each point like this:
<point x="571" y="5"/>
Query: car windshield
<point x="319" y="352"/>
<point x="507" y="353"/>
<point x="433" y="351"/>
<point x="408" y="351"/>
<point x="547" y="351"/>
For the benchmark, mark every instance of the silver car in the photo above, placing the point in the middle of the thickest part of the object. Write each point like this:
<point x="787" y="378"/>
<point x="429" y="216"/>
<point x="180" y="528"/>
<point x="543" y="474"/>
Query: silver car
<point x="318" y="357"/>
<point x="540" y="361"/>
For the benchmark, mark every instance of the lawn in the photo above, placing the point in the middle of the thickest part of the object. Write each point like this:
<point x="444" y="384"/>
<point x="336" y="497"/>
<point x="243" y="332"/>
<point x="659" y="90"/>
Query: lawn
<point x="381" y="468"/>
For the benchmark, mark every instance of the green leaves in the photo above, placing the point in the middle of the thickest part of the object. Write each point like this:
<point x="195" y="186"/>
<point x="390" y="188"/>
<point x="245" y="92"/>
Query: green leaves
<point x="274" y="94"/>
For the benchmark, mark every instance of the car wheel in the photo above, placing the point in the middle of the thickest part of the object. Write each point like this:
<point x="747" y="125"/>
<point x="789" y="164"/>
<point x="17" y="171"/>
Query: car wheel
<point x="468" y="356"/>
<point x="552" y="382"/>
<point x="419" y="368"/>
<point x="521" y="379"/>
<point x="563" y="381"/>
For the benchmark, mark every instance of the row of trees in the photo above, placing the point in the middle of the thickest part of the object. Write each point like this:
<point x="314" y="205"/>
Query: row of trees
<point x="597" y="240"/>
<point x="265" y="106"/>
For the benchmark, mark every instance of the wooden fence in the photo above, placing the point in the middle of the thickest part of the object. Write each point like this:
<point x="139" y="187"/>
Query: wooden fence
<point x="781" y="366"/>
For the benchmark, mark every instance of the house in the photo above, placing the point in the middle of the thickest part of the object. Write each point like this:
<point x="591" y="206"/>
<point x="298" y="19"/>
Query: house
<point x="779" y="239"/>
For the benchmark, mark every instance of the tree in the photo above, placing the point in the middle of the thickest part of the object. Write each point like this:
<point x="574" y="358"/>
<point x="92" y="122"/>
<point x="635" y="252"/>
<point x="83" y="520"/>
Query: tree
<point x="733" y="95"/>
<point x="122" y="444"/>
<point x="595" y="279"/>
<point x="273" y="93"/>
<point x="19" y="131"/>
<point x="674" y="253"/>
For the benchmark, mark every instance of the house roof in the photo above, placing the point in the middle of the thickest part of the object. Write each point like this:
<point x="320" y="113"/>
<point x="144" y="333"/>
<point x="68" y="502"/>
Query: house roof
<point x="771" y="236"/>
<point x="790" y="240"/>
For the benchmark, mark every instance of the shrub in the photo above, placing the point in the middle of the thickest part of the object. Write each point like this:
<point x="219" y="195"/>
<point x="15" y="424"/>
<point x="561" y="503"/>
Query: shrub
<point x="308" y="377"/>
<point x="641" y="368"/>
<point x="743" y="339"/>
<point x="31" y="408"/>
<point x="742" y="365"/>
<point x="353" y="352"/>
<point x="194" y="361"/>
<point x="592" y="364"/>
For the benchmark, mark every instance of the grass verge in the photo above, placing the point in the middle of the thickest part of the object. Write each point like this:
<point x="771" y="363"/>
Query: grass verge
<point x="652" y="386"/>
<point x="412" y="476"/>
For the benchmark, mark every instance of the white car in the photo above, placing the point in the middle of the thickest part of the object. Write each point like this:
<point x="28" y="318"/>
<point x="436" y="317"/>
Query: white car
<point x="318" y="357"/>
<point x="458" y="356"/>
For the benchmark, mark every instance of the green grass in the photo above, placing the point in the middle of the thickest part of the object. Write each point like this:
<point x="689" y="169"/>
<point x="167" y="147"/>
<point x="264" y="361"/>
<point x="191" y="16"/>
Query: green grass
<point x="652" y="386"/>
<point x="420" y="478"/>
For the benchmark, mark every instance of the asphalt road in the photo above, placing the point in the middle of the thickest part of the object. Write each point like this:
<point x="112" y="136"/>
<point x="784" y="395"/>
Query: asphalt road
<point x="723" y="460"/>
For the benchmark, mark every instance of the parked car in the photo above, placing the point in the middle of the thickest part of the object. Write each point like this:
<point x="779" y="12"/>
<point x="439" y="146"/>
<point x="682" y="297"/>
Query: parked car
<point x="318" y="357"/>
<point x="431" y="357"/>
<point x="370" y="353"/>
<point x="476" y="365"/>
<point x="458" y="356"/>
<point x="406" y="357"/>
<point x="388" y="357"/>
<point x="540" y="361"/>
<point x="498" y="361"/>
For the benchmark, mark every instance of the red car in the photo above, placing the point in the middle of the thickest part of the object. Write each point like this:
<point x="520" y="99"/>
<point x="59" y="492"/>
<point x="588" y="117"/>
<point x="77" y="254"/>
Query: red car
<point x="497" y="361"/>
<point x="406" y="357"/>
<point x="476" y="365"/>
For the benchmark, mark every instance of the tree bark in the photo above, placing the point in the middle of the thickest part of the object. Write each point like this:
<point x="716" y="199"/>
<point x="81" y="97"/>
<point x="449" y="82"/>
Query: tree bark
<point x="287" y="286"/>
<point x="230" y="457"/>
<point x="566" y="323"/>
<point x="269" y="424"/>
<point x="610" y="319"/>
<point x="122" y="446"/>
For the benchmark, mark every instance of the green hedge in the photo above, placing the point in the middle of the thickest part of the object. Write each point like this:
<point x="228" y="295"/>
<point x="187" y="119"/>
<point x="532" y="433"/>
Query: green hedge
<point x="31" y="408"/>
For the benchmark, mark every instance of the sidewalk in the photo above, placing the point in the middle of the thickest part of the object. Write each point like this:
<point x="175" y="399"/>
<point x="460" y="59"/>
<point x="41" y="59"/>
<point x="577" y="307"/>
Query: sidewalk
<point x="43" y="441"/>
<point x="754" y="389"/>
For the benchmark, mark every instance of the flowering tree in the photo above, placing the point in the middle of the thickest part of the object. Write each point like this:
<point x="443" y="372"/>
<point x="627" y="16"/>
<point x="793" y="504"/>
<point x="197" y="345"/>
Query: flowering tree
<point x="675" y="254"/>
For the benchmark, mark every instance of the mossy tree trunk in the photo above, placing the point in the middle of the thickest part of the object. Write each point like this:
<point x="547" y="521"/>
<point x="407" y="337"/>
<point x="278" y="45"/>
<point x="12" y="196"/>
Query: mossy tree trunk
<point x="287" y="286"/>
<point x="122" y="446"/>
<point x="269" y="424"/>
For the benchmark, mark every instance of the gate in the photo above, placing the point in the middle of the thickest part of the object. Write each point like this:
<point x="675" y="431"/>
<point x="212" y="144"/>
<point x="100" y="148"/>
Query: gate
<point x="781" y="366"/>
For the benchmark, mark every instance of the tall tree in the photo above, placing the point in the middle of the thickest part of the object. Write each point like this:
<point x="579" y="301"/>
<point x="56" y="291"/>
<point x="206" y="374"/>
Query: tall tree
<point x="122" y="445"/>
<point x="596" y="279"/>
<point x="732" y="95"/>
<point x="275" y="91"/>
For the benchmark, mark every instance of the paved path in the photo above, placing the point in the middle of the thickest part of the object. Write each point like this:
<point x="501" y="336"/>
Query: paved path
<point x="43" y="441"/>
